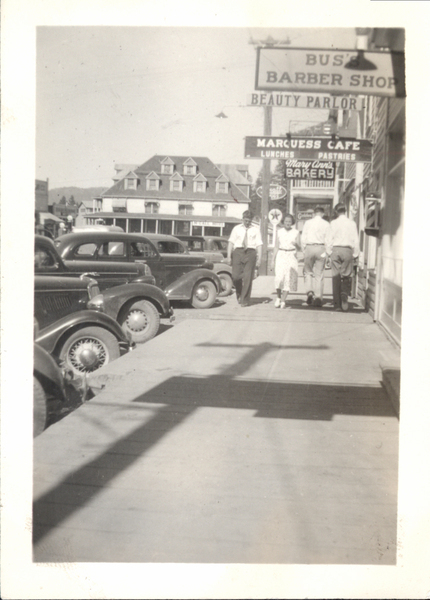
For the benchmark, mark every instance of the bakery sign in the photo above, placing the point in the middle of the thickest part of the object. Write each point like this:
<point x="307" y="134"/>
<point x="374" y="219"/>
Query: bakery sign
<point x="334" y="71"/>
<point x="308" y="148"/>
<point x="314" y="170"/>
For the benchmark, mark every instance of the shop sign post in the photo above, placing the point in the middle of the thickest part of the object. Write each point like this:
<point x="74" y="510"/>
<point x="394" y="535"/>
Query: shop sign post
<point x="313" y="170"/>
<point x="372" y="73"/>
<point x="308" y="148"/>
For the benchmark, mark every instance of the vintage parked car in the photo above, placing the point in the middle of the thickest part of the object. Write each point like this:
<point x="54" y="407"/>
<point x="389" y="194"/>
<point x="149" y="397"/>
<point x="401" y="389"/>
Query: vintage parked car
<point x="109" y="272"/>
<point x="205" y="243"/>
<point x="136" y="306"/>
<point x="54" y="388"/>
<point x="182" y="276"/>
<point x="49" y="383"/>
<point x="169" y="244"/>
<point x="81" y="338"/>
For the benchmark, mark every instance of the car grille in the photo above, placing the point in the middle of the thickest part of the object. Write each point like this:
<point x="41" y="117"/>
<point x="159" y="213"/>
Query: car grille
<point x="53" y="304"/>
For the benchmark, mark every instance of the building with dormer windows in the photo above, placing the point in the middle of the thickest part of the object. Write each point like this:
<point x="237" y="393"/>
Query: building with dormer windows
<point x="187" y="195"/>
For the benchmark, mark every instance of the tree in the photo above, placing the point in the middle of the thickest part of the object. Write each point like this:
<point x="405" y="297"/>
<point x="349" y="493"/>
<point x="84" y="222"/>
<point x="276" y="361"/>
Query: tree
<point x="63" y="200"/>
<point x="71" y="201"/>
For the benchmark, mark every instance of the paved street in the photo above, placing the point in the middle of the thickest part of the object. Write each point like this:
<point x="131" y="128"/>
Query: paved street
<point x="239" y="435"/>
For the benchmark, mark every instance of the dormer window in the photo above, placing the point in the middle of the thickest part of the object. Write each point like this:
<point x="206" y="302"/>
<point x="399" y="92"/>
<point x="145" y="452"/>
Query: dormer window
<point x="221" y="185"/>
<point x="200" y="183"/>
<point x="190" y="167"/>
<point x="176" y="183"/>
<point x="167" y="166"/>
<point x="130" y="182"/>
<point x="152" y="182"/>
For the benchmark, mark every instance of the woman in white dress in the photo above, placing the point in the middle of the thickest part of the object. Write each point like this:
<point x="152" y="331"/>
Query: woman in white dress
<point x="285" y="260"/>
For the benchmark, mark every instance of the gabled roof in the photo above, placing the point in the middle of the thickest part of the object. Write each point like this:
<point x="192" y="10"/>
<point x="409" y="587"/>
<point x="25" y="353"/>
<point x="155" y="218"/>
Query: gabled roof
<point x="204" y="166"/>
<point x="152" y="175"/>
<point x="190" y="161"/>
<point x="176" y="177"/>
<point x="200" y="177"/>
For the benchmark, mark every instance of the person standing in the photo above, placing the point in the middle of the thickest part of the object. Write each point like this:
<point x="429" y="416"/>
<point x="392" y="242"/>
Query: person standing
<point x="314" y="238"/>
<point x="342" y="248"/>
<point x="244" y="252"/>
<point x="285" y="260"/>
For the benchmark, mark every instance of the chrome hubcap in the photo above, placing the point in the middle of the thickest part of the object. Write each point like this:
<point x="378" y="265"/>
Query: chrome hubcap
<point x="202" y="293"/>
<point x="137" y="321"/>
<point x="87" y="355"/>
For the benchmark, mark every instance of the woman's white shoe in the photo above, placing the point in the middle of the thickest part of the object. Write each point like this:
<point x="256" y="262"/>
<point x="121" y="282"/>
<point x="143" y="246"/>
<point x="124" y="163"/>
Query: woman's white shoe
<point x="277" y="302"/>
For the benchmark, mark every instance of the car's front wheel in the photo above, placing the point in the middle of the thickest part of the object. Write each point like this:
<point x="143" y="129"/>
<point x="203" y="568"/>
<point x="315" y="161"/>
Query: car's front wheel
<point x="141" y="320"/>
<point x="227" y="284"/>
<point x="40" y="410"/>
<point x="204" y="294"/>
<point x="89" y="349"/>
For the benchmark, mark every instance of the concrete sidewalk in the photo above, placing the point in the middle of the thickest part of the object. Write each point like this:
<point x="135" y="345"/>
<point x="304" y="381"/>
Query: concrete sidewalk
<point x="240" y="435"/>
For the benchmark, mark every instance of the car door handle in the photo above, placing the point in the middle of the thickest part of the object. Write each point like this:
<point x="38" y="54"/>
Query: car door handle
<point x="89" y="275"/>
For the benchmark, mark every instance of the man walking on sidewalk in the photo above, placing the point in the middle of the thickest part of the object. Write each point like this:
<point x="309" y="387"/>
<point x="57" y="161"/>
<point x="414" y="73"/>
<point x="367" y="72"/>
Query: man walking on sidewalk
<point x="314" y="238"/>
<point x="244" y="252"/>
<point x="342" y="247"/>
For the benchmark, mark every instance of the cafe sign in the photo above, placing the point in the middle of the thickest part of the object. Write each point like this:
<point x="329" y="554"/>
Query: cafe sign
<point x="308" y="148"/>
<point x="313" y="170"/>
<point x="331" y="71"/>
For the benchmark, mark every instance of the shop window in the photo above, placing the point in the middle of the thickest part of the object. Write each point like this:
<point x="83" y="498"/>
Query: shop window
<point x="134" y="225"/>
<point x="165" y="227"/>
<point x="182" y="228"/>
<point x="149" y="226"/>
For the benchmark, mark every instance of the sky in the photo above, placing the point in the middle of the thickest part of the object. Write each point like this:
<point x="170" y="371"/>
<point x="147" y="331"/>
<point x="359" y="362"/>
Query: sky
<point x="107" y="95"/>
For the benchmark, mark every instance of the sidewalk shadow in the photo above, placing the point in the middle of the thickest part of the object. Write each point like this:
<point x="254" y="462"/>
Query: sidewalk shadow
<point x="179" y="397"/>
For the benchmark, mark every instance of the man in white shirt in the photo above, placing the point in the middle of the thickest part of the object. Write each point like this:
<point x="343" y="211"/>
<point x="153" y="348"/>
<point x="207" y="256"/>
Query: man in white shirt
<point x="342" y="247"/>
<point x="313" y="240"/>
<point x="244" y="252"/>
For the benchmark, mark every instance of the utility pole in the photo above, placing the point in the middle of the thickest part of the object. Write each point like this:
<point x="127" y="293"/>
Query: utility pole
<point x="265" y="191"/>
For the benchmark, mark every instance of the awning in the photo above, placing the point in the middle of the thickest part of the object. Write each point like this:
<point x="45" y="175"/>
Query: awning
<point x="43" y="216"/>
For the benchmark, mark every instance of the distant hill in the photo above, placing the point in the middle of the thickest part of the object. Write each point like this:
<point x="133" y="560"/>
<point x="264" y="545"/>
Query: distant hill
<point x="79" y="194"/>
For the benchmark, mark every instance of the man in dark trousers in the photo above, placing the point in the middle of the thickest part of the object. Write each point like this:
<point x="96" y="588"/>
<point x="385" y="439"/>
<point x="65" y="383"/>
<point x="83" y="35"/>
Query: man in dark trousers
<point x="314" y="237"/>
<point x="342" y="247"/>
<point x="244" y="252"/>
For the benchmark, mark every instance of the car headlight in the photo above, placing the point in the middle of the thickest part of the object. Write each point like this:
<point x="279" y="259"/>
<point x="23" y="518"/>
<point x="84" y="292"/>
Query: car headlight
<point x="97" y="303"/>
<point x="93" y="289"/>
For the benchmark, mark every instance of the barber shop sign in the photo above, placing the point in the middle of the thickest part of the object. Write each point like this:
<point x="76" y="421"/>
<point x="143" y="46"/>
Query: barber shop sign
<point x="314" y="170"/>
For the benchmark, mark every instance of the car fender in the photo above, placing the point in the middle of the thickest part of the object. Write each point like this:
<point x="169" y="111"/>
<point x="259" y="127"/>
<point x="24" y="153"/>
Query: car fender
<point x="222" y="268"/>
<point x="182" y="288"/>
<point x="45" y="367"/>
<point x="51" y="337"/>
<point x="117" y="296"/>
